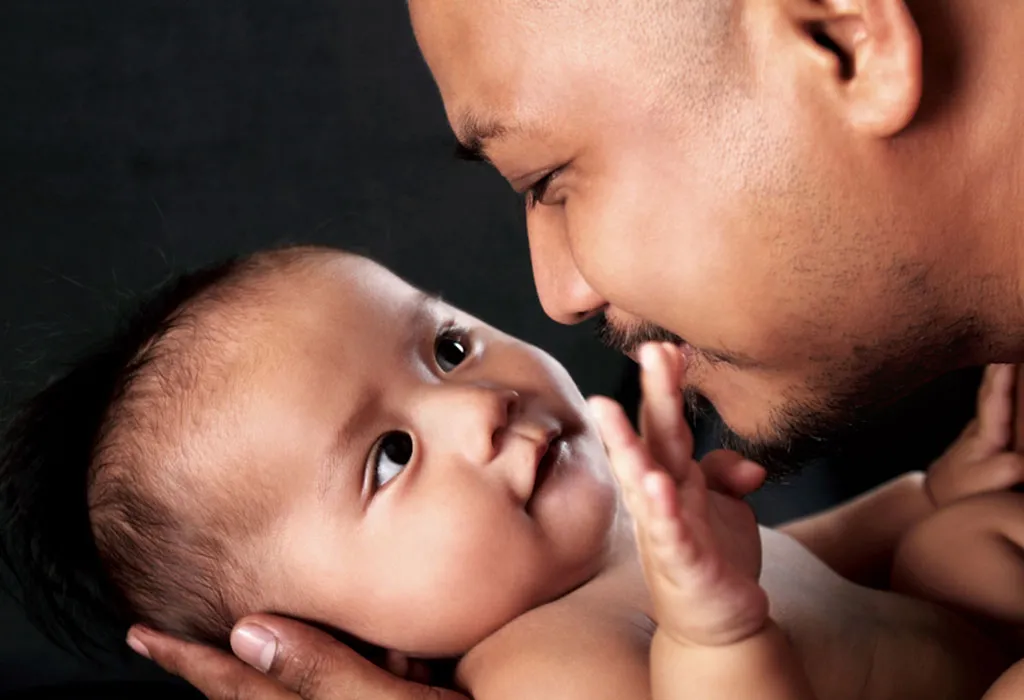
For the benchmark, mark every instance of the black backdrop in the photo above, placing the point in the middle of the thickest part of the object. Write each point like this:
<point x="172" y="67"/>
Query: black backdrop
<point x="138" y="137"/>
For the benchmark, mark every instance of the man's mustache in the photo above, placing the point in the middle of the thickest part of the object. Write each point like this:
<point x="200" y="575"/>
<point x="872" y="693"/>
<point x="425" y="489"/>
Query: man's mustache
<point x="627" y="340"/>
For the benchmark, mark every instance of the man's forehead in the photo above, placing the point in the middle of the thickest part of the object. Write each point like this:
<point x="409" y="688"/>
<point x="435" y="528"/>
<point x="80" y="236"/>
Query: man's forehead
<point x="481" y="47"/>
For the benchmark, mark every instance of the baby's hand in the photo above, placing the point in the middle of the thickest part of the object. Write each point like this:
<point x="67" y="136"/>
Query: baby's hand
<point x="701" y="549"/>
<point x="981" y="460"/>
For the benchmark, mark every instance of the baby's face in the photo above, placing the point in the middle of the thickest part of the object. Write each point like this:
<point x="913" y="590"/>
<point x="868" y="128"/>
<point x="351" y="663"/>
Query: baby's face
<point x="428" y="477"/>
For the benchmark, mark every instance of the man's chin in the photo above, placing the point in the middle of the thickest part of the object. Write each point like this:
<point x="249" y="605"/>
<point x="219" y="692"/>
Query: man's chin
<point x="789" y="442"/>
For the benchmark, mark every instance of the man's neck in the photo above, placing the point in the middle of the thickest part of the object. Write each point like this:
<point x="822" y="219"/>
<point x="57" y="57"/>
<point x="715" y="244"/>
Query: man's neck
<point x="974" y="89"/>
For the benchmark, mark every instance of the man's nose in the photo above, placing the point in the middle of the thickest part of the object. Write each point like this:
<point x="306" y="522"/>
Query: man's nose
<point x="470" y="419"/>
<point x="565" y="296"/>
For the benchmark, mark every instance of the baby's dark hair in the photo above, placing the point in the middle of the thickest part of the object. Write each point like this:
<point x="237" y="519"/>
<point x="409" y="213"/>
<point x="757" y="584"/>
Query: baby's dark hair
<point x="95" y="537"/>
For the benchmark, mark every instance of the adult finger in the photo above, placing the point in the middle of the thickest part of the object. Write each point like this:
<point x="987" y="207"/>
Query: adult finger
<point x="315" y="666"/>
<point x="216" y="674"/>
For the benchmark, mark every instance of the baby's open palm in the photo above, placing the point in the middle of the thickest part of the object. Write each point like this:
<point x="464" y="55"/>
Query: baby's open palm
<point x="700" y="546"/>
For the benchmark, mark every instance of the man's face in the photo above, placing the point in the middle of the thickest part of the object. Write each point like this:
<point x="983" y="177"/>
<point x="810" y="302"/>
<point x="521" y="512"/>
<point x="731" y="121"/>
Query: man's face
<point x="684" y="185"/>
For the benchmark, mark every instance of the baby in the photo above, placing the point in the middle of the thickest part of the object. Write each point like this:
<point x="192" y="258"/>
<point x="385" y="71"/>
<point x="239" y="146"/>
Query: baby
<point x="302" y="432"/>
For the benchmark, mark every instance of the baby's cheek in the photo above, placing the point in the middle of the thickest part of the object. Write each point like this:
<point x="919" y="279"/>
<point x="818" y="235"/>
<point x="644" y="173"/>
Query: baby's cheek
<point x="426" y="580"/>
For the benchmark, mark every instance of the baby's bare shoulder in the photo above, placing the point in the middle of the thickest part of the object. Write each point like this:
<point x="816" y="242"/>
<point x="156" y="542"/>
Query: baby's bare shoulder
<point x="571" y="649"/>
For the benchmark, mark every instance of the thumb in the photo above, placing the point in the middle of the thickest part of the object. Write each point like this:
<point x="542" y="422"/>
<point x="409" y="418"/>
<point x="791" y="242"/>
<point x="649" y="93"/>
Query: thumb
<point x="315" y="666"/>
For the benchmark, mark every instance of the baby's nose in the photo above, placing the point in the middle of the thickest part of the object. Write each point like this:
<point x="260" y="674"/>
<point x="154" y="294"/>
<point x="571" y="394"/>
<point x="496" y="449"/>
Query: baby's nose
<point x="474" y="419"/>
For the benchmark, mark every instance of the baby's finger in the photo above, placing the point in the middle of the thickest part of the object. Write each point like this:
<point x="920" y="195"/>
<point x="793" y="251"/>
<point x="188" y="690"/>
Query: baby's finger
<point x="667" y="534"/>
<point x="1018" y="409"/>
<point x="996" y="406"/>
<point x="999" y="473"/>
<point x="662" y="422"/>
<point x="730" y="473"/>
<point x="626" y="452"/>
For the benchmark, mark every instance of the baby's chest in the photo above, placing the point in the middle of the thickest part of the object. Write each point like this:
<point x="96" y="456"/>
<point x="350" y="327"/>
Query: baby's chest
<point x="583" y="648"/>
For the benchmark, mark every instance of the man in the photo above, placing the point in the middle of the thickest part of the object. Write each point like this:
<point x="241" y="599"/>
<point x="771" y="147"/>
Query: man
<point x="819" y="200"/>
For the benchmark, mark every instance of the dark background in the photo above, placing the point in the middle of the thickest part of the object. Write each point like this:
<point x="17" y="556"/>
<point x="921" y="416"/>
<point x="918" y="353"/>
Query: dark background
<point x="141" y="137"/>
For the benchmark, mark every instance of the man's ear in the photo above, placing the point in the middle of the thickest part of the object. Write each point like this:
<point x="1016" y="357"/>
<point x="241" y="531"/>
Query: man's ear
<point x="871" y="51"/>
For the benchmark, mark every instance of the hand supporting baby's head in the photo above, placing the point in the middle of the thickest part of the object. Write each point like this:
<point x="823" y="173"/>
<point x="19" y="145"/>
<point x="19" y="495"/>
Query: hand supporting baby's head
<point x="304" y="433"/>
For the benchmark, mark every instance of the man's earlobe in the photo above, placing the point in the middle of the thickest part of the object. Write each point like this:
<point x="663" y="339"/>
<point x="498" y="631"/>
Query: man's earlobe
<point x="874" y="49"/>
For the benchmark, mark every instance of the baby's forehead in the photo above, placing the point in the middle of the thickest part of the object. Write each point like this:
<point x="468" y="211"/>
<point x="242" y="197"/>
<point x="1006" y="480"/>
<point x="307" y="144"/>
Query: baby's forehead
<point x="351" y="295"/>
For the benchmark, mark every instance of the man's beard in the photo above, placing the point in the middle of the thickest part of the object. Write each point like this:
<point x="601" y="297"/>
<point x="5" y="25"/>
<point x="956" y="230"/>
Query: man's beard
<point x="627" y="340"/>
<point x="797" y="436"/>
<point x="799" y="431"/>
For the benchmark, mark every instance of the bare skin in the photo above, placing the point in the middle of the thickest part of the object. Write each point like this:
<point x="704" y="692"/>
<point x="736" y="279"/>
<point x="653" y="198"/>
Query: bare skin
<point x="716" y="635"/>
<point x="884" y="160"/>
<point x="696" y="627"/>
<point x="730" y="172"/>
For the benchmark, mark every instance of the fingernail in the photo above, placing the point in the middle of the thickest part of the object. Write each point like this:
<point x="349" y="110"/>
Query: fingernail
<point x="255" y="645"/>
<point x="651" y="486"/>
<point x="136" y="644"/>
<point x="646" y="354"/>
<point x="673" y="351"/>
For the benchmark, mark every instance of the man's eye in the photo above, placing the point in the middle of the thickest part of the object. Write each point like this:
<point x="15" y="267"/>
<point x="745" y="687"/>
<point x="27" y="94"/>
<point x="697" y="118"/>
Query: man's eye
<point x="391" y="456"/>
<point x="451" y="349"/>
<point x="535" y="193"/>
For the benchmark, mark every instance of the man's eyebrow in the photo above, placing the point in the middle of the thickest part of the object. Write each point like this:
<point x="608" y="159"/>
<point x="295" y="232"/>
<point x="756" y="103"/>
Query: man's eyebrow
<point x="473" y="133"/>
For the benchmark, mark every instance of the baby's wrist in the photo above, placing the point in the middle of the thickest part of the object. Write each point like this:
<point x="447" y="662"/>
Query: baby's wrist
<point x="721" y="639"/>
<point x="763" y="665"/>
<point x="675" y="644"/>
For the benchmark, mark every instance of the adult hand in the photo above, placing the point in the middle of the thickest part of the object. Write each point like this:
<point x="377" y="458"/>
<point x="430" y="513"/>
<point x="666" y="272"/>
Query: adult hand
<point x="283" y="660"/>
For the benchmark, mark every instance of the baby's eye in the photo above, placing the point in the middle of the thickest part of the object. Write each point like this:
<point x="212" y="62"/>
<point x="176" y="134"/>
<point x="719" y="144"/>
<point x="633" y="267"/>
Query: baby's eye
<point x="394" y="450"/>
<point x="451" y="349"/>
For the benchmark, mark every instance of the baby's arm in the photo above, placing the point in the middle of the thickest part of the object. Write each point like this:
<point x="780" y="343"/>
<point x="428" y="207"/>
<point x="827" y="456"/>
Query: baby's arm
<point x="858" y="539"/>
<point x="762" y="666"/>
<point x="1010" y="686"/>
<point x="968" y="556"/>
<point x="701" y="554"/>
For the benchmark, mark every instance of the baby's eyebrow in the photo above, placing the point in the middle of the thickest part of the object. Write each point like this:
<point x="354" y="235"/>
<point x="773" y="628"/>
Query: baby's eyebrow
<point x="342" y="457"/>
<point x="423" y="313"/>
<point x="345" y="454"/>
